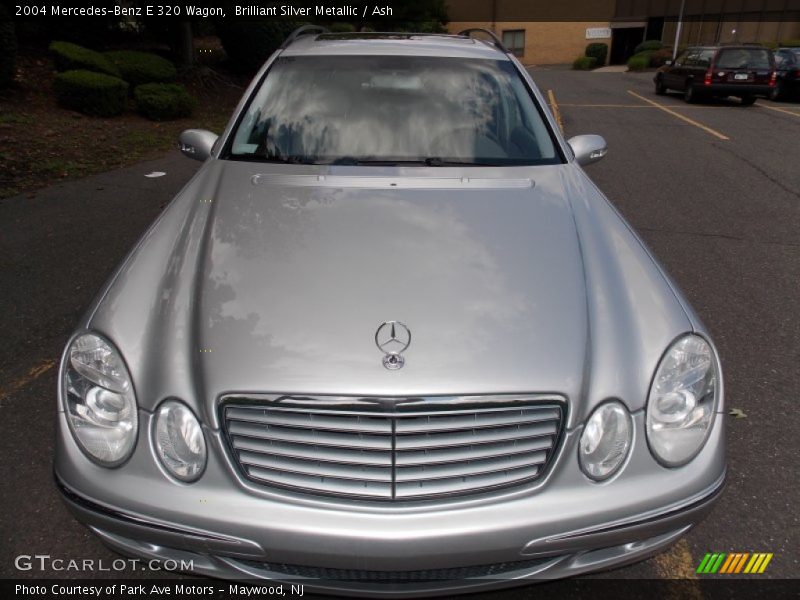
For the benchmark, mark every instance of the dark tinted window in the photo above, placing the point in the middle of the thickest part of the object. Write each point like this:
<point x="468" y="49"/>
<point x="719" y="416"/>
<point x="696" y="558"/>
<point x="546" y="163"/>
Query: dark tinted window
<point x="705" y="57"/>
<point x="743" y="58"/>
<point x="378" y="109"/>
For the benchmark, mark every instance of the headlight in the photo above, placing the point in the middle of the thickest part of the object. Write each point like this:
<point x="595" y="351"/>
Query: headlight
<point x="682" y="401"/>
<point x="179" y="441"/>
<point x="606" y="440"/>
<point x="99" y="400"/>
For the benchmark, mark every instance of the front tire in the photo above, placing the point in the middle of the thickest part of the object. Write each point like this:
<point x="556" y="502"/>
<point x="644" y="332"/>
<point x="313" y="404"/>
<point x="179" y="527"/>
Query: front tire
<point x="748" y="100"/>
<point x="661" y="89"/>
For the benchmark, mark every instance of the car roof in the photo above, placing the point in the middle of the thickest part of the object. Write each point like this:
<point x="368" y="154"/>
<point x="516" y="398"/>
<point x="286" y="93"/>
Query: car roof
<point x="400" y="44"/>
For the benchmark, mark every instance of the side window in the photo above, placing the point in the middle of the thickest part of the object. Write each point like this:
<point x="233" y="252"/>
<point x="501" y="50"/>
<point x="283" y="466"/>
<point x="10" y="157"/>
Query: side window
<point x="681" y="60"/>
<point x="780" y="57"/>
<point x="705" y="58"/>
<point x="514" y="40"/>
<point x="691" y="59"/>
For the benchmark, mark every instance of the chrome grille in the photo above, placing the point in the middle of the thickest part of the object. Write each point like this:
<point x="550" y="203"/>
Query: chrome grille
<point x="390" y="448"/>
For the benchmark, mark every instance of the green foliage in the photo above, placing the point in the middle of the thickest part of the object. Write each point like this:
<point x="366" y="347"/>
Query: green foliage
<point x="342" y="27"/>
<point x="584" y="63"/>
<point x="789" y="43"/>
<point x="163" y="101"/>
<point x="249" y="43"/>
<point x="599" y="51"/>
<point x="8" y="48"/>
<point x="70" y="57"/>
<point x="142" y="67"/>
<point x="648" y="46"/>
<point x="91" y="93"/>
<point x="659" y="57"/>
<point x="639" y="62"/>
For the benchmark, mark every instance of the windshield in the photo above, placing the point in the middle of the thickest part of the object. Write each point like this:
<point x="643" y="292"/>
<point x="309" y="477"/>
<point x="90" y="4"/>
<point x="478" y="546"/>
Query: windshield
<point x="393" y="109"/>
<point x="743" y="58"/>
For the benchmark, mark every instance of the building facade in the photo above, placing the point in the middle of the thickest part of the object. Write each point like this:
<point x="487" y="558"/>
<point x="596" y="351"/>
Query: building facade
<point x="547" y="34"/>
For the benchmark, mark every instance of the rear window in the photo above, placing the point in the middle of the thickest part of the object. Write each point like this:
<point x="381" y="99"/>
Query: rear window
<point x="743" y="58"/>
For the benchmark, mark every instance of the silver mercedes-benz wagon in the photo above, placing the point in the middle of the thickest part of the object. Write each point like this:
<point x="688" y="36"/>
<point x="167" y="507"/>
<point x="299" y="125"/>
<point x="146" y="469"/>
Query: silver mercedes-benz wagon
<point x="390" y="340"/>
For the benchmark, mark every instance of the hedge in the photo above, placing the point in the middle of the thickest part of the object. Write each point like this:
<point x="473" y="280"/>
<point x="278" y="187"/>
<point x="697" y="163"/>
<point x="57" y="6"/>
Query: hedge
<point x="163" y="101"/>
<point x="91" y="93"/>
<point x="639" y="62"/>
<point x="648" y="46"/>
<point x="584" y="63"/>
<point x="142" y="67"/>
<point x="8" y="48"/>
<point x="790" y="43"/>
<point x="599" y="51"/>
<point x="71" y="57"/>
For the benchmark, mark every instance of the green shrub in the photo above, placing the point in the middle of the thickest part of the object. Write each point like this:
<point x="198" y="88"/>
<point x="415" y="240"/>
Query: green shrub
<point x="658" y="58"/>
<point x="91" y="93"/>
<point x="248" y="44"/>
<point x="599" y="51"/>
<point x="584" y="63"/>
<point x="789" y="43"/>
<point x="648" y="46"/>
<point x="639" y="62"/>
<point x="342" y="27"/>
<point x="142" y="67"/>
<point x="163" y="101"/>
<point x="8" y="48"/>
<point x="71" y="57"/>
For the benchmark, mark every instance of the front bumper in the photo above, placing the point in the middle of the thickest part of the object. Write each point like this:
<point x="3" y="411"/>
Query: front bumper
<point x="562" y="526"/>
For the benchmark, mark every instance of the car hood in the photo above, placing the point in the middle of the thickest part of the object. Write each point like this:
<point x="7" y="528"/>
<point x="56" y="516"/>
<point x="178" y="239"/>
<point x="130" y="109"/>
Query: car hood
<point x="256" y="280"/>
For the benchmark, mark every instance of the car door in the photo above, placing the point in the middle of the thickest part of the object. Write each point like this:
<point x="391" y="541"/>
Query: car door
<point x="674" y="75"/>
<point x="689" y="72"/>
<point x="784" y="62"/>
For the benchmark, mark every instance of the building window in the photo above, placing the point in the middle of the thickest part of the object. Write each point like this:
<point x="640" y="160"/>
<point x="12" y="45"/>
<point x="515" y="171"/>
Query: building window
<point x="514" y="40"/>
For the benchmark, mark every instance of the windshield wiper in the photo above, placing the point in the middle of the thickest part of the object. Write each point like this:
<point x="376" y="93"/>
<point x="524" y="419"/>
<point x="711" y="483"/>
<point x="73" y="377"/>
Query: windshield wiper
<point x="433" y="161"/>
<point x="292" y="159"/>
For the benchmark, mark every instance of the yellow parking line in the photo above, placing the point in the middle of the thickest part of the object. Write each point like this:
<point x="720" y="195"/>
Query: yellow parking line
<point x="780" y="110"/>
<point x="555" y="109"/>
<point x="705" y="128"/>
<point x="33" y="374"/>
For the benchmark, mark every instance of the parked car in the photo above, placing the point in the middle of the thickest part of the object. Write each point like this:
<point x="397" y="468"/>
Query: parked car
<point x="787" y="68"/>
<point x="744" y="71"/>
<point x="245" y="393"/>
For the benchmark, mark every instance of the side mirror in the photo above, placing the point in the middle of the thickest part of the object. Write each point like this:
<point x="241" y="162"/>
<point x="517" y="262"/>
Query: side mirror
<point x="197" y="143"/>
<point x="668" y="63"/>
<point x="588" y="149"/>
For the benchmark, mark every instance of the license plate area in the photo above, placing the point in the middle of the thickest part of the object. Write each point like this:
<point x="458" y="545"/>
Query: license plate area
<point x="741" y="76"/>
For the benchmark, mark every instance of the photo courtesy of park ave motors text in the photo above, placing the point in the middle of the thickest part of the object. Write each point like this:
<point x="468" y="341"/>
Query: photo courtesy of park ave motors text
<point x="400" y="300"/>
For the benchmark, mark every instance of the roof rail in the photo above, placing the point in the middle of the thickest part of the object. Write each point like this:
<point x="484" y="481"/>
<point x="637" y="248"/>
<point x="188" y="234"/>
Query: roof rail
<point x="496" y="42"/>
<point x="302" y="30"/>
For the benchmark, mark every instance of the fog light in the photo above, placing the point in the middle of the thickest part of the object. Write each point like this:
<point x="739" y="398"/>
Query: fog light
<point x="179" y="441"/>
<point x="605" y="441"/>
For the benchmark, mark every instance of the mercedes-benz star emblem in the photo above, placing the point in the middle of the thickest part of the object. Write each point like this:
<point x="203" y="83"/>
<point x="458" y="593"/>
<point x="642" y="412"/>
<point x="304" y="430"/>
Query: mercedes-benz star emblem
<point x="392" y="338"/>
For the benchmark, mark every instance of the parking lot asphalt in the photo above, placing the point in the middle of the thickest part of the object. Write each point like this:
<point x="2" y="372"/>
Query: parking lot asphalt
<point x="714" y="189"/>
<point x="717" y="198"/>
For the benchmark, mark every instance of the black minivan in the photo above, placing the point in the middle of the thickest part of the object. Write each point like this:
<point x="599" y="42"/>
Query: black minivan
<point x="745" y="71"/>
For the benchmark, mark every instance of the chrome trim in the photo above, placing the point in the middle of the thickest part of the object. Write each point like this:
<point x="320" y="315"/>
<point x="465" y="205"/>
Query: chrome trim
<point x="389" y="440"/>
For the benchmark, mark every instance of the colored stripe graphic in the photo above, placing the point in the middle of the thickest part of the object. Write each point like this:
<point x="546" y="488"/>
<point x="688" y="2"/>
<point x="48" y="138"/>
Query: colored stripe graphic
<point x="740" y="566"/>
<point x="726" y="566"/>
<point x="735" y="562"/>
<point x="704" y="563"/>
